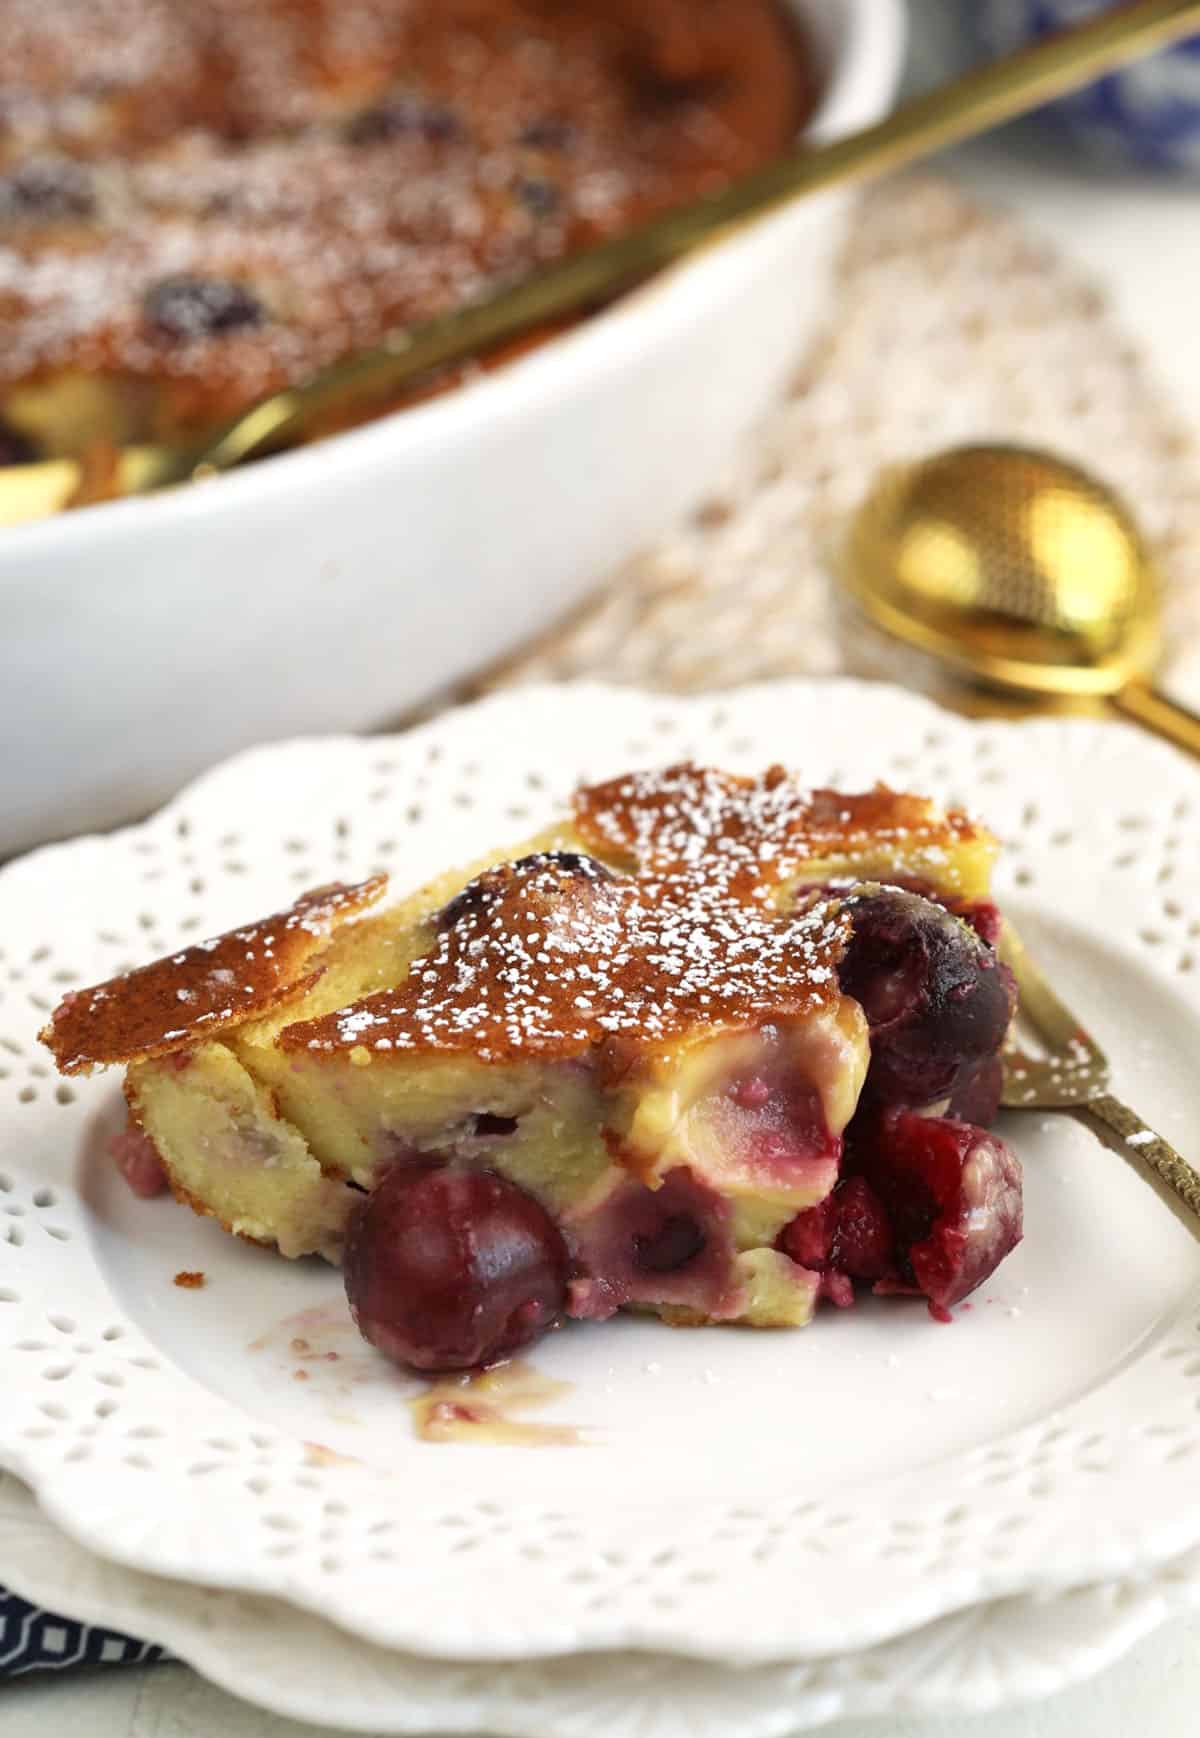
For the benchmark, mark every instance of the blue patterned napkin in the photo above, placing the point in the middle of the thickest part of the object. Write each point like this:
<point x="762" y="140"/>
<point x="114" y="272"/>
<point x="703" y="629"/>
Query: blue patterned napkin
<point x="37" y="1641"/>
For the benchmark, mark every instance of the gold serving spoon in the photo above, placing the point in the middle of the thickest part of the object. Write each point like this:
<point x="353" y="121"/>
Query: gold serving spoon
<point x="1017" y="571"/>
<point x="968" y="106"/>
<point x="1073" y="1075"/>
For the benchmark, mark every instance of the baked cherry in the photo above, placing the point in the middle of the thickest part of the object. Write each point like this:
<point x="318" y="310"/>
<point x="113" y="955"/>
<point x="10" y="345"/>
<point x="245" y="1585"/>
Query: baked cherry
<point x="486" y="1125"/>
<point x="136" y="1157"/>
<point x="670" y="1245"/>
<point x="952" y="1194"/>
<point x="982" y="914"/>
<point x="539" y="197"/>
<point x="863" y="1244"/>
<point x="847" y="1233"/>
<point x="937" y="999"/>
<point x="48" y="190"/>
<point x="402" y="115"/>
<point x="449" y="1269"/>
<point x="983" y="917"/>
<point x="15" y="449"/>
<point x="546" y="880"/>
<point x="192" y="307"/>
<point x="977" y="1092"/>
<point x="550" y="133"/>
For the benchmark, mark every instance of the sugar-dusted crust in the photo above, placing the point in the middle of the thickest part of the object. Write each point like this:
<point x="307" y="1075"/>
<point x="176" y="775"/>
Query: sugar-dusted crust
<point x="555" y="957"/>
<point x="706" y="863"/>
<point x="632" y="965"/>
<point x="206" y="989"/>
<point x="765" y="827"/>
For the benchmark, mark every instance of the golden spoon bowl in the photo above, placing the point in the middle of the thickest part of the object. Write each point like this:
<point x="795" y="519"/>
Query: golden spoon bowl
<point x="1010" y="564"/>
<point x="1019" y="571"/>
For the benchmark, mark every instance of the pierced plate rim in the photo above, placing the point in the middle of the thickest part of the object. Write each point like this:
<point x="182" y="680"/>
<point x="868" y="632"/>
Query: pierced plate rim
<point x="115" y="1509"/>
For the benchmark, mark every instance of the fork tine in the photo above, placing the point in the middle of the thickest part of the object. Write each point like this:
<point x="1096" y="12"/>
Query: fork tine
<point x="1055" y="1022"/>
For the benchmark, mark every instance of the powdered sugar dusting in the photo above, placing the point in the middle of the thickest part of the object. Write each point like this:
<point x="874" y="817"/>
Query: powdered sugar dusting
<point x="557" y="953"/>
<point x="194" y="995"/>
<point x="688" y="812"/>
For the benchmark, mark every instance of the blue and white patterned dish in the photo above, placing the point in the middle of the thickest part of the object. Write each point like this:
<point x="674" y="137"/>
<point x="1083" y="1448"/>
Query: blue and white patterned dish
<point x="1147" y="115"/>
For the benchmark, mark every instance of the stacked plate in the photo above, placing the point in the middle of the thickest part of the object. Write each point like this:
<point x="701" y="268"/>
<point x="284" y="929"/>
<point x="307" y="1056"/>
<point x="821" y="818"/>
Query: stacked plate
<point x="753" y="1532"/>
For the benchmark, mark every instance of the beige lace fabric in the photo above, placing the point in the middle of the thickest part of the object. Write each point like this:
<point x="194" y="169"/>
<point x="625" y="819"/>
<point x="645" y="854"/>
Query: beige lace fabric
<point x="953" y="324"/>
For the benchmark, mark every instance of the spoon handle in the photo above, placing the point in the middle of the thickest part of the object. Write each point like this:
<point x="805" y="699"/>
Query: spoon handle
<point x="1166" y="718"/>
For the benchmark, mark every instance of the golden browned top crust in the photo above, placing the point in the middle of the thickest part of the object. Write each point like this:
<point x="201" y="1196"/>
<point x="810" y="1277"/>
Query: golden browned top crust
<point x="753" y="826"/>
<point x="202" y="991"/>
<point x="557" y="954"/>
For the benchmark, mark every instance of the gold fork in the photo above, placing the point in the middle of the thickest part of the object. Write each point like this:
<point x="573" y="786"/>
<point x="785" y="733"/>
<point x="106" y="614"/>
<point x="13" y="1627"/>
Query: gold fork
<point x="1074" y="1076"/>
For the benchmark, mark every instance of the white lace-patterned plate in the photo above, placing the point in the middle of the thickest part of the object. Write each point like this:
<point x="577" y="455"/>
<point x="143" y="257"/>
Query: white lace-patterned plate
<point x="269" y="1653"/>
<point x="743" y="1496"/>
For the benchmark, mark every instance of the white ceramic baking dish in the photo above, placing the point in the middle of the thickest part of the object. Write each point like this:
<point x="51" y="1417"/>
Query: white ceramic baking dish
<point x="334" y="587"/>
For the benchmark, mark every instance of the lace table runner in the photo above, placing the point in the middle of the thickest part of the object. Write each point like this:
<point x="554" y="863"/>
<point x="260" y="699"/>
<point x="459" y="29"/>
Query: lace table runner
<point x="952" y="324"/>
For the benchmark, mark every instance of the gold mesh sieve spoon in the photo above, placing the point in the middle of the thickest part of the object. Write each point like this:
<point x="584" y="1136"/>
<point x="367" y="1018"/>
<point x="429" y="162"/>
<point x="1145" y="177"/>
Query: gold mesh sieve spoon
<point x="1019" y="571"/>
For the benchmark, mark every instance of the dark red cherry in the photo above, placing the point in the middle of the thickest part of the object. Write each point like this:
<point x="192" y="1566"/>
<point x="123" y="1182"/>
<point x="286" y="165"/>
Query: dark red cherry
<point x="809" y="1237"/>
<point x="188" y="307"/>
<point x="863" y="1244"/>
<point x="449" y="1269"/>
<point x="977" y="1092"/>
<point x="488" y="1126"/>
<point x="548" y="880"/>
<point x="953" y="1195"/>
<point x="848" y="1233"/>
<point x="937" y="999"/>
<point x="984" y="918"/>
<point x="539" y="197"/>
<point x="550" y="133"/>
<point x="136" y="1157"/>
<point x="982" y="915"/>
<point x="669" y="1246"/>
<point x="15" y="448"/>
<point x="403" y="115"/>
<point x="48" y="190"/>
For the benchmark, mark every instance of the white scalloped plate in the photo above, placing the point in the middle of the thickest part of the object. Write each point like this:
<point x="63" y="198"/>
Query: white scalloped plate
<point x="269" y="1653"/>
<point x="743" y="1497"/>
